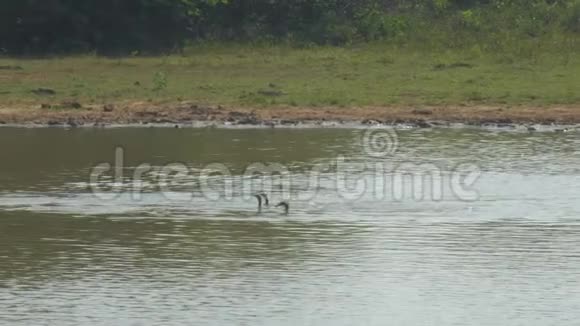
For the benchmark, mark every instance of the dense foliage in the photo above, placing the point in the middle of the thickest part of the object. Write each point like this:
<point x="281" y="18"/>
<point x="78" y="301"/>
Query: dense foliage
<point x="125" y="26"/>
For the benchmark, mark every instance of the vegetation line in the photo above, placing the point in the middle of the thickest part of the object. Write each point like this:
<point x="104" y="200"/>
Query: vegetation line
<point x="373" y="74"/>
<point x="289" y="54"/>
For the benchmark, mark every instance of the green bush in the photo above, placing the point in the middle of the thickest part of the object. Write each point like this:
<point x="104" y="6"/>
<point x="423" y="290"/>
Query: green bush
<point x="571" y="17"/>
<point x="153" y="26"/>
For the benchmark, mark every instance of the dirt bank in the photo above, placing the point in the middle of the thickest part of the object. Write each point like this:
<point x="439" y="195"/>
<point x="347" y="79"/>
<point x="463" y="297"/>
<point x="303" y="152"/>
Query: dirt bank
<point x="78" y="114"/>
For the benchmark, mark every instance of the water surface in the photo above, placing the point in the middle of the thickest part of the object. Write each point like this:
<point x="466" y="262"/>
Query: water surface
<point x="505" y="250"/>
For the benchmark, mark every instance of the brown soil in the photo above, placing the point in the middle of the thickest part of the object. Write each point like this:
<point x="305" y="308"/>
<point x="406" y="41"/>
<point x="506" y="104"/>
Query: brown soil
<point x="185" y="112"/>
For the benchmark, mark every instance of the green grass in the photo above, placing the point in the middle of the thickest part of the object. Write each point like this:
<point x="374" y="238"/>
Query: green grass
<point x="238" y="75"/>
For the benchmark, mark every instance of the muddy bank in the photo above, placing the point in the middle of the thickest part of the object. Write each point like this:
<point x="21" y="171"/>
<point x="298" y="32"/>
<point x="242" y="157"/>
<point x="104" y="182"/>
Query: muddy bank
<point x="74" y="114"/>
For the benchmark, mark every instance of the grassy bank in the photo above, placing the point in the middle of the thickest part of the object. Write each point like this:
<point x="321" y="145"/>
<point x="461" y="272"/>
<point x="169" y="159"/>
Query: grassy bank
<point x="272" y="76"/>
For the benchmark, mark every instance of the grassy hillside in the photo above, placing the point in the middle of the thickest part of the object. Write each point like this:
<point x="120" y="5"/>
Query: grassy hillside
<point x="243" y="75"/>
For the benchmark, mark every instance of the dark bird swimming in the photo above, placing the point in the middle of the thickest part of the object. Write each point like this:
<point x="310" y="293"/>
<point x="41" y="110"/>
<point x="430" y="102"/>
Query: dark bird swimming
<point x="264" y="201"/>
<point x="285" y="205"/>
<point x="265" y="198"/>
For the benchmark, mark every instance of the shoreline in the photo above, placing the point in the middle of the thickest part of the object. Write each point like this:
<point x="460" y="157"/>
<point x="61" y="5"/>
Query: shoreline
<point x="188" y="114"/>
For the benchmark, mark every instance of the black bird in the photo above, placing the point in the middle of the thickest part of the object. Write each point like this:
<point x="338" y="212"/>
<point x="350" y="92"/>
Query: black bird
<point x="265" y="197"/>
<point x="259" y="198"/>
<point x="264" y="201"/>
<point x="285" y="205"/>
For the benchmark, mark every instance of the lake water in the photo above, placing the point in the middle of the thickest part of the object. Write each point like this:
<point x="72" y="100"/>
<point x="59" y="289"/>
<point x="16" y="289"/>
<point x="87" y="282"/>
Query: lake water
<point x="441" y="227"/>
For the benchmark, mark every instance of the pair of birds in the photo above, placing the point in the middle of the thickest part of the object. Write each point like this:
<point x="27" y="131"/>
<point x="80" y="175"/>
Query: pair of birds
<point x="264" y="201"/>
